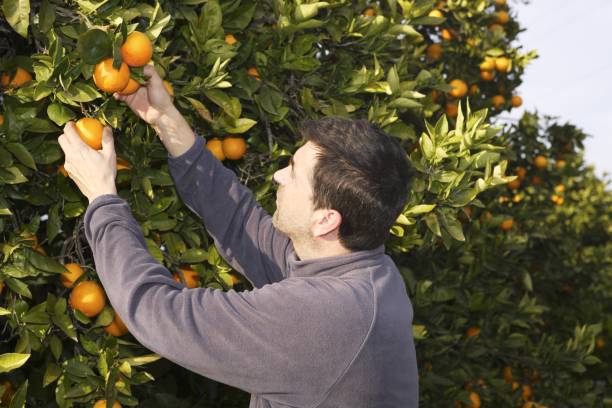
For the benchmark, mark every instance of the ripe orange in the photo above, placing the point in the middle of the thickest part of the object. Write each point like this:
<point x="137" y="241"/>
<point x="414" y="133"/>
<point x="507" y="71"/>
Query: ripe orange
<point x="131" y="87"/>
<point x="514" y="184"/>
<point x="117" y="328"/>
<point x="435" y="95"/>
<point x="500" y="2"/>
<point x="446" y="34"/>
<point x="516" y="101"/>
<point x="137" y="49"/>
<point x="234" y="148"/>
<point x="557" y="199"/>
<point x="90" y="131"/>
<point x="230" y="39"/>
<point x="1" y="120"/>
<point x="507" y="224"/>
<point x="502" y="17"/>
<point x="560" y="164"/>
<point x="20" y="78"/>
<point x="109" y="79"/>
<point x="527" y="392"/>
<point x="216" y="147"/>
<point x="1" y="286"/>
<point x="487" y="75"/>
<point x="475" y="398"/>
<point x="452" y="110"/>
<point x="559" y="188"/>
<point x="599" y="343"/>
<point x="493" y="27"/>
<point x="473" y="331"/>
<point x="502" y="64"/>
<point x="498" y="101"/>
<point x="474" y="89"/>
<point x="521" y="172"/>
<point x="168" y="87"/>
<point x="74" y="272"/>
<point x="62" y="170"/>
<point x="369" y="12"/>
<point x="122" y="164"/>
<point x="102" y="404"/>
<point x="434" y="52"/>
<point x="435" y="13"/>
<point x="515" y="385"/>
<point x="540" y="162"/>
<point x="537" y="180"/>
<point x="507" y="374"/>
<point x="253" y="72"/>
<point x="88" y="297"/>
<point x="191" y="277"/>
<point x="459" y="88"/>
<point x="488" y="64"/>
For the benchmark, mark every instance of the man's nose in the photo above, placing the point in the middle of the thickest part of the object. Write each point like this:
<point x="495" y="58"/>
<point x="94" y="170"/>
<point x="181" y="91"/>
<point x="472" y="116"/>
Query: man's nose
<point x="278" y="176"/>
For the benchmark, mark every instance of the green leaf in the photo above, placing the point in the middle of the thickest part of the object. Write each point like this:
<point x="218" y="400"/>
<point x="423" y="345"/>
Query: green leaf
<point x="59" y="113"/>
<point x="12" y="175"/>
<point x="420" y="209"/>
<point x="38" y="125"/>
<point x="194" y="255"/>
<point x="404" y="103"/>
<point x="54" y="222"/>
<point x="22" y="154"/>
<point x="94" y="46"/>
<point x="17" y="14"/>
<point x="82" y="92"/>
<point x="240" y="18"/>
<point x="44" y="263"/>
<point x="52" y="373"/>
<point x="229" y="104"/>
<point x="241" y="125"/>
<point x="141" y="360"/>
<point x="19" y="398"/>
<point x="61" y="319"/>
<point x="11" y="361"/>
<point x="19" y="287"/>
<point x="46" y="16"/>
<point x="433" y="224"/>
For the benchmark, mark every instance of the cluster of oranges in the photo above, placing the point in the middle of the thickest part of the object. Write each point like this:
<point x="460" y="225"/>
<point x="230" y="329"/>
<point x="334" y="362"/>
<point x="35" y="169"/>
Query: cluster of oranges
<point x="88" y="297"/>
<point x="232" y="148"/>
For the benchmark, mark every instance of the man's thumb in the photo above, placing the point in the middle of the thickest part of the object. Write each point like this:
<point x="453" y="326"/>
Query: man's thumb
<point x="108" y="143"/>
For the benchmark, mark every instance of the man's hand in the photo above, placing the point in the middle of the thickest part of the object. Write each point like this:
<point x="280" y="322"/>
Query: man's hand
<point x="150" y="102"/>
<point x="93" y="171"/>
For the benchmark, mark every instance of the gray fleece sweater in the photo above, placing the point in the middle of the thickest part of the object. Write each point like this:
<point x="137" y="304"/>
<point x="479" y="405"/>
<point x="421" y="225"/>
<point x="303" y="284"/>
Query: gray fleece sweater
<point x="327" y="333"/>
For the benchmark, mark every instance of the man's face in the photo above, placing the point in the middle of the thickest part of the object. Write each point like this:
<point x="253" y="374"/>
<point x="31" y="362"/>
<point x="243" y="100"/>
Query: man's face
<point x="294" y="205"/>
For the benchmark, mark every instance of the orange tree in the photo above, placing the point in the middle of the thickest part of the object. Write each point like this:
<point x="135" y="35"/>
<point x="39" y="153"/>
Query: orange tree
<point x="244" y="73"/>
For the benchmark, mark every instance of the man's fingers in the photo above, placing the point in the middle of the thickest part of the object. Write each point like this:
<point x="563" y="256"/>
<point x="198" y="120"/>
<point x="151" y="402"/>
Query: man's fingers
<point x="151" y="73"/>
<point x="108" y="143"/>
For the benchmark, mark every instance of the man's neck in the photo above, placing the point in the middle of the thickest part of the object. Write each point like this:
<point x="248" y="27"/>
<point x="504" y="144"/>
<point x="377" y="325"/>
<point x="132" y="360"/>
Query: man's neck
<point x="322" y="249"/>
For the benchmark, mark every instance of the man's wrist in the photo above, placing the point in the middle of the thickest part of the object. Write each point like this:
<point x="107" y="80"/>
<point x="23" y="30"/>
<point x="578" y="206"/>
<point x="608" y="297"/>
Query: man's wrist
<point x="109" y="191"/>
<point x="174" y="132"/>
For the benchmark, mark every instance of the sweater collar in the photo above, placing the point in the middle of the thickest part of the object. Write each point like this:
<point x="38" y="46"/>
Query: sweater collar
<point x="334" y="265"/>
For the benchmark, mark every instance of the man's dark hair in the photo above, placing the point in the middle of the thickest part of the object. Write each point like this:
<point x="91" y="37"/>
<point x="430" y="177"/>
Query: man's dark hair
<point x="362" y="173"/>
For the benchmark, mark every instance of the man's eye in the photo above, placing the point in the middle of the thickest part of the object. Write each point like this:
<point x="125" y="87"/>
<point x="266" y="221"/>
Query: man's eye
<point x="283" y="162"/>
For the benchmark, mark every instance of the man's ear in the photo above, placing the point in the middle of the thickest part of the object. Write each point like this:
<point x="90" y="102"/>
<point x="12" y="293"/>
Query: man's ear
<point x="326" y="221"/>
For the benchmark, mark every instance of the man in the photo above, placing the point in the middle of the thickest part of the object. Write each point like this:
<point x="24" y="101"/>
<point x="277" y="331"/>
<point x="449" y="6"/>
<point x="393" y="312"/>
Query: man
<point x="328" y="323"/>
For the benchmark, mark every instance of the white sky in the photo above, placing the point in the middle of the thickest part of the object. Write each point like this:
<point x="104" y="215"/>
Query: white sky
<point x="572" y="77"/>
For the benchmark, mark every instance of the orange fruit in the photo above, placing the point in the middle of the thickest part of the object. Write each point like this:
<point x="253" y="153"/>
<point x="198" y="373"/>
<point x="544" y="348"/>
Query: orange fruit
<point x="560" y="164"/>
<point x="88" y="297"/>
<point x="475" y="399"/>
<point x="459" y="88"/>
<point x="131" y="87"/>
<point x="514" y="184"/>
<point x="234" y="148"/>
<point x="500" y="2"/>
<point x="493" y="27"/>
<point x="446" y="34"/>
<point x="62" y="170"/>
<point x="516" y="101"/>
<point x="507" y="224"/>
<point x="216" y="147"/>
<point x="102" y="404"/>
<point x="599" y="343"/>
<point x="137" y="50"/>
<point x="502" y="64"/>
<point x="117" y="328"/>
<point x="540" y="162"/>
<point x="123" y="164"/>
<point x="507" y="374"/>
<point x="191" y="277"/>
<point x="527" y="392"/>
<point x="473" y="331"/>
<point x="254" y="73"/>
<point x="515" y="385"/>
<point x="502" y="17"/>
<point x="90" y="131"/>
<point x="452" y="110"/>
<point x="487" y="75"/>
<point x="434" y="52"/>
<point x="1" y="120"/>
<point x="473" y="89"/>
<point x="521" y="172"/>
<point x="498" y="101"/>
<point x="1" y="286"/>
<point x="557" y="199"/>
<point x="74" y="272"/>
<point x="488" y="64"/>
<point x="537" y="180"/>
<point x="168" y="87"/>
<point x="369" y="12"/>
<point x="109" y="79"/>
<point x="435" y="13"/>
<point x="20" y="78"/>
<point x="9" y="391"/>
<point x="559" y="188"/>
<point x="230" y="39"/>
<point x="435" y="95"/>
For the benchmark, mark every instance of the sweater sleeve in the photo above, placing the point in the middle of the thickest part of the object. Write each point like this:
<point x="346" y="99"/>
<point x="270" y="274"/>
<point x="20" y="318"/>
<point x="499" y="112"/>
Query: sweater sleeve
<point x="241" y="228"/>
<point x="272" y="341"/>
